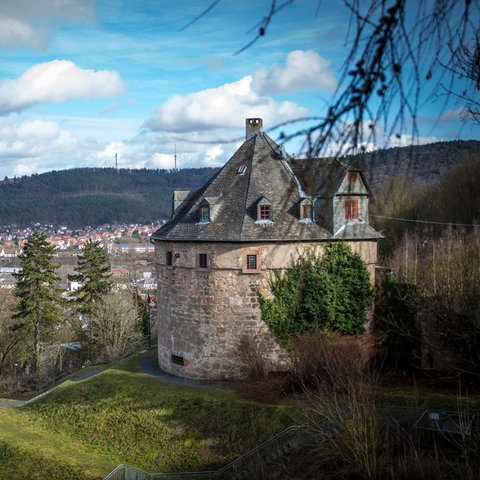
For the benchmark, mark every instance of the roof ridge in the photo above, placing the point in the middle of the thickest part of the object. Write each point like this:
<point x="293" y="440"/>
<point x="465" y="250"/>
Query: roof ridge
<point x="249" y="171"/>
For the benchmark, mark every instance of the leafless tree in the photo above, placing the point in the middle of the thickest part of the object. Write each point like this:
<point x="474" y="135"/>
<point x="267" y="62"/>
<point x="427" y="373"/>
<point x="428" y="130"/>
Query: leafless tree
<point x="399" y="51"/>
<point x="115" y="325"/>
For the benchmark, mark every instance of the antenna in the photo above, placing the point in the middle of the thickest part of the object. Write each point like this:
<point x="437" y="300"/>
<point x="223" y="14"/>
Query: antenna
<point x="116" y="164"/>
<point x="175" y="157"/>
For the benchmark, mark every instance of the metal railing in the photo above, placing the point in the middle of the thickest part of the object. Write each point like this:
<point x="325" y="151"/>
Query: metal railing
<point x="253" y="463"/>
<point x="241" y="468"/>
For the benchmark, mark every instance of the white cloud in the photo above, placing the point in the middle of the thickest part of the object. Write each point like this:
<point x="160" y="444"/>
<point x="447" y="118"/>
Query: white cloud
<point x="106" y="157"/>
<point x="219" y="108"/>
<point x="163" y="161"/>
<point x="55" y="82"/>
<point x="16" y="33"/>
<point x="32" y="145"/>
<point x="304" y="70"/>
<point x="214" y="156"/>
<point x="460" y="113"/>
<point x="27" y="23"/>
<point x="407" y="140"/>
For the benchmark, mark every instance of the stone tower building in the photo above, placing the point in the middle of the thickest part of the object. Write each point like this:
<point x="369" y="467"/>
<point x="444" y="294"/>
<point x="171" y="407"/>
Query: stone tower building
<point x="257" y="213"/>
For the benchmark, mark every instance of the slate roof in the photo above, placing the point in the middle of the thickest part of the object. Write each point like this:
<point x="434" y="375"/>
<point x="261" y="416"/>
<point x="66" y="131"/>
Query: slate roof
<point x="259" y="170"/>
<point x="321" y="177"/>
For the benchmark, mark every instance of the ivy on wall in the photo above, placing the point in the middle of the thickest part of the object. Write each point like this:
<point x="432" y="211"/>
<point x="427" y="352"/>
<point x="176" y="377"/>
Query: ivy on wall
<point x="325" y="294"/>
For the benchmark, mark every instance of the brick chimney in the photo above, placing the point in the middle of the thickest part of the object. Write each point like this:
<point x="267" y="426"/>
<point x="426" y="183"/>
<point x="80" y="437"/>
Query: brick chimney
<point x="252" y="125"/>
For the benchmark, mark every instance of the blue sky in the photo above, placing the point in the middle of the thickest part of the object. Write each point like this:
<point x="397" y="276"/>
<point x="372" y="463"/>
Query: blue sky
<point x="81" y="81"/>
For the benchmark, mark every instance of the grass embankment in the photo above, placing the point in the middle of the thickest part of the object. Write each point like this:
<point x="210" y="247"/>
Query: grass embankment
<point x="82" y="430"/>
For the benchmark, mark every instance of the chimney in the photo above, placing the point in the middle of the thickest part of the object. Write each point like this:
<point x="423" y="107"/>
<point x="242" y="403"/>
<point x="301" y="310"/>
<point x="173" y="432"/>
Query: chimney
<point x="253" y="125"/>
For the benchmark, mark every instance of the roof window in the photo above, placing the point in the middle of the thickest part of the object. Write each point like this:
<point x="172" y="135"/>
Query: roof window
<point x="242" y="169"/>
<point x="264" y="210"/>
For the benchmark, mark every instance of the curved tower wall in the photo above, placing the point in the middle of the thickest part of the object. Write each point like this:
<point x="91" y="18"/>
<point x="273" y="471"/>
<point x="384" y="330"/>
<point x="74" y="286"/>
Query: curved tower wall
<point x="209" y="318"/>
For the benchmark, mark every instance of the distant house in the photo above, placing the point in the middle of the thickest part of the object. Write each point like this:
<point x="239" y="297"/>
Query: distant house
<point x="258" y="213"/>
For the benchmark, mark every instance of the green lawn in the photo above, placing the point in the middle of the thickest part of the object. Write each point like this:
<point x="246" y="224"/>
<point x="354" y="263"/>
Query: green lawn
<point x="82" y="430"/>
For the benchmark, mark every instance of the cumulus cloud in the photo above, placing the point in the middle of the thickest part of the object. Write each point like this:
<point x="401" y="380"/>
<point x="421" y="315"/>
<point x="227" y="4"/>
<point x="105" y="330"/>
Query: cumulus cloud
<point x="212" y="109"/>
<point x="162" y="161"/>
<point x="55" y="82"/>
<point x="24" y="23"/>
<point x="26" y="145"/>
<point x="303" y="70"/>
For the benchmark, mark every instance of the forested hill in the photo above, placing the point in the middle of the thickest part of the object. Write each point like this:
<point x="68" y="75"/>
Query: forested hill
<point x="423" y="163"/>
<point x="93" y="196"/>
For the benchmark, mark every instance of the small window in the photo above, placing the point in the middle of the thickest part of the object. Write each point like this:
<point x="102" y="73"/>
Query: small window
<point x="251" y="263"/>
<point x="264" y="212"/>
<point x="242" y="169"/>
<point x="205" y="213"/>
<point x="169" y="258"/>
<point x="178" y="360"/>
<point x="351" y="209"/>
<point x="306" y="211"/>
<point x="202" y="262"/>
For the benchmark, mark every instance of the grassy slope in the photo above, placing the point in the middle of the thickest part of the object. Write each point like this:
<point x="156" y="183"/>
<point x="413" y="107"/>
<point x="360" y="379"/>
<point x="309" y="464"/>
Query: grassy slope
<point x="82" y="430"/>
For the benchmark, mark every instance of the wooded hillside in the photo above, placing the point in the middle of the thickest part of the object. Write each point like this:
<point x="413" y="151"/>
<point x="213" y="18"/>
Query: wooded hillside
<point x="423" y="163"/>
<point x="93" y="196"/>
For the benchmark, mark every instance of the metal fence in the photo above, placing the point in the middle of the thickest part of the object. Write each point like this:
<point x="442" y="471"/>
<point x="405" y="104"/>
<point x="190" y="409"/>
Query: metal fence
<point x="246" y="466"/>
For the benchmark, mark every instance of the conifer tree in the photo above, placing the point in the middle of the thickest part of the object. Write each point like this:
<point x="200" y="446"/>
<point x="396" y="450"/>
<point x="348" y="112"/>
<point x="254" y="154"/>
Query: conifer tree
<point x="93" y="272"/>
<point x="37" y="289"/>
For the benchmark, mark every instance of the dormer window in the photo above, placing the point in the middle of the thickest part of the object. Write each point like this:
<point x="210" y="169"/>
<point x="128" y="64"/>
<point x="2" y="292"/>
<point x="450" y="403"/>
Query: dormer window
<point x="351" y="209"/>
<point x="204" y="213"/>
<point x="264" y="210"/>
<point x="306" y="210"/>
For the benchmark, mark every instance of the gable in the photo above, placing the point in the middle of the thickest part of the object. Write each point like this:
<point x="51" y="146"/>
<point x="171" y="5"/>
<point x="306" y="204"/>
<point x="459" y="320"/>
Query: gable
<point x="261" y="194"/>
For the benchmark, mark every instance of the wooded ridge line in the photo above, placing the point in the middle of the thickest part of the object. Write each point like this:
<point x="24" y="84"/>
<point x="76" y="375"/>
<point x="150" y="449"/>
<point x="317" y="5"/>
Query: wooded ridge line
<point x="93" y="196"/>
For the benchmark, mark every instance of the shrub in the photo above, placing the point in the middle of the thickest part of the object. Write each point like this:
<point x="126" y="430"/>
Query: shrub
<point x="330" y="293"/>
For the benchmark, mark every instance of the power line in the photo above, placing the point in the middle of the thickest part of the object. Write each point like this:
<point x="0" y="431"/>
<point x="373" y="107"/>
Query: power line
<point x="427" y="221"/>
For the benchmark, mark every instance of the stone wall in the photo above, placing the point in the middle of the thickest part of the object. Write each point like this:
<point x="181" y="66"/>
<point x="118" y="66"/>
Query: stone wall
<point x="209" y="319"/>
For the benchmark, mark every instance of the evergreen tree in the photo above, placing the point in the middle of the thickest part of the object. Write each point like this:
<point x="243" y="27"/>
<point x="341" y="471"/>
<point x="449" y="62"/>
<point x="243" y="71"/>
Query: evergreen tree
<point x="38" y="292"/>
<point x="93" y="273"/>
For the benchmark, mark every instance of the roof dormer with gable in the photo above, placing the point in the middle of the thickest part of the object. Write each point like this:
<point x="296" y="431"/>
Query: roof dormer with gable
<point x="224" y="241"/>
<point x="261" y="186"/>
